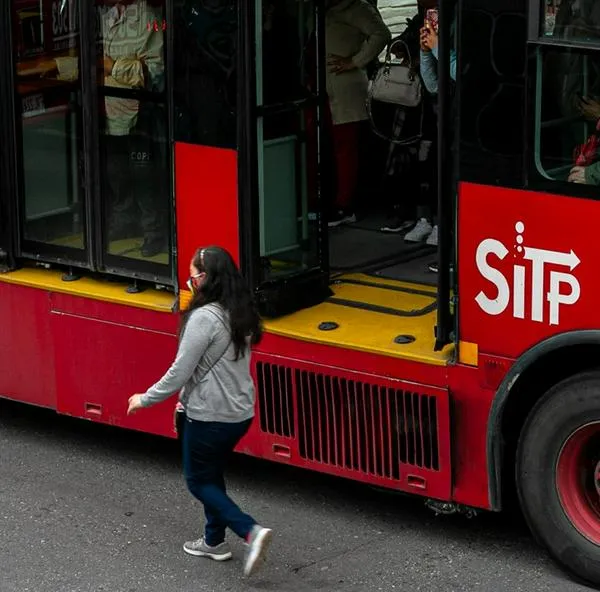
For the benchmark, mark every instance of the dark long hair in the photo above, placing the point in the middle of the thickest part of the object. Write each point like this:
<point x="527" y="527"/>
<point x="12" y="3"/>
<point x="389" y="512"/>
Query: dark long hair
<point x="225" y="285"/>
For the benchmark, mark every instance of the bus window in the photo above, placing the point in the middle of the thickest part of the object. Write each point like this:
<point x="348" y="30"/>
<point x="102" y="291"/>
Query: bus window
<point x="47" y="95"/>
<point x="571" y="19"/>
<point x="567" y="112"/>
<point x="204" y="72"/>
<point x="288" y="145"/>
<point x="134" y="151"/>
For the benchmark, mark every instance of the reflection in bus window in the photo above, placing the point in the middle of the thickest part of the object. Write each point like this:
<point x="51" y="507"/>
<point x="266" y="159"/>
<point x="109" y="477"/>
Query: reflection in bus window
<point x="567" y="115"/>
<point x="204" y="77"/>
<point x="48" y="98"/>
<point x="571" y="19"/>
<point x="134" y="141"/>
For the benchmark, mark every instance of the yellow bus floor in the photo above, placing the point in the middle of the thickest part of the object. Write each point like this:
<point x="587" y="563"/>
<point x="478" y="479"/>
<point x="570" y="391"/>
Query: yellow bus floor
<point x="371" y="314"/>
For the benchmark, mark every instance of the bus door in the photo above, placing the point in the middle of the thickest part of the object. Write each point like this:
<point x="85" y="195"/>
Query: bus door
<point x="92" y="148"/>
<point x="286" y="244"/>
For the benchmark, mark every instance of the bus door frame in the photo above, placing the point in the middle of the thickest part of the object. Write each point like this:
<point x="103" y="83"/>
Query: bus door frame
<point x="8" y="181"/>
<point x="448" y="138"/>
<point x="275" y="296"/>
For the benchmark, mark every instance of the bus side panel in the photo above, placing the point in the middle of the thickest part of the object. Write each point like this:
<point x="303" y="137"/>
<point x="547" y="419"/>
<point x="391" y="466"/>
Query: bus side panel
<point x="101" y="362"/>
<point x="528" y="267"/>
<point x="353" y="415"/>
<point x="26" y="346"/>
<point x="470" y="409"/>
<point x="206" y="202"/>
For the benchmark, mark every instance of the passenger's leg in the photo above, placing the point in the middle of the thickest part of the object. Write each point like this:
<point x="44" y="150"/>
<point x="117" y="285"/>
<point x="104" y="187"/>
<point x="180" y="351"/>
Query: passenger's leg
<point x="345" y="139"/>
<point x="118" y="196"/>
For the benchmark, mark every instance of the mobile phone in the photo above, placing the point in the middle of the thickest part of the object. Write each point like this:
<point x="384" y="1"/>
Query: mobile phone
<point x="432" y="17"/>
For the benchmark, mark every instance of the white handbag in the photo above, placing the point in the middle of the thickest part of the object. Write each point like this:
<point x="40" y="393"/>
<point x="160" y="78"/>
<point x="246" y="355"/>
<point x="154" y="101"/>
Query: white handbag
<point x="395" y="83"/>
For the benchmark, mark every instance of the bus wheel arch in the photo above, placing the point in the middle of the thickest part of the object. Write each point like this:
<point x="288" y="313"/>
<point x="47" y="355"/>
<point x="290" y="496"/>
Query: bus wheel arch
<point x="545" y="438"/>
<point x="531" y="376"/>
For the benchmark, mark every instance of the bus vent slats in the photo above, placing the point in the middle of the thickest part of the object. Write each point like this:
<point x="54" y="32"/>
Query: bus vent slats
<point x="347" y="424"/>
<point x="275" y="399"/>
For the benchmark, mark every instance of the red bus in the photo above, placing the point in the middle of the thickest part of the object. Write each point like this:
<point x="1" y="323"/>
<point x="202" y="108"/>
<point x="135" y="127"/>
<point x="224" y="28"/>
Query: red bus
<point x="456" y="386"/>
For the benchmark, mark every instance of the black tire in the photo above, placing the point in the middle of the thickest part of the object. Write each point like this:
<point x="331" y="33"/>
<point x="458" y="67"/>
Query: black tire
<point x="561" y="412"/>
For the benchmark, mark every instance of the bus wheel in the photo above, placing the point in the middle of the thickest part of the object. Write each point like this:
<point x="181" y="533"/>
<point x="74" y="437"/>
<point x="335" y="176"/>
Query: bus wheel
<point x="558" y="474"/>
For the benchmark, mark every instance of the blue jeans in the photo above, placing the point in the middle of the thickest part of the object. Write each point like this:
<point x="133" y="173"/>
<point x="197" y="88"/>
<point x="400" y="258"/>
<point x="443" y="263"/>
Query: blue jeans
<point x="206" y="446"/>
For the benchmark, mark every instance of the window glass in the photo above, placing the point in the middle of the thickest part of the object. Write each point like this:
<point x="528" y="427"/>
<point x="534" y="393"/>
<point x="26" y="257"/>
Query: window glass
<point x="573" y="20"/>
<point x="491" y="78"/>
<point x="287" y="54"/>
<point x="134" y="154"/>
<point x="567" y="115"/>
<point x="289" y="144"/>
<point x="204" y="76"/>
<point x="288" y="193"/>
<point x="48" y="101"/>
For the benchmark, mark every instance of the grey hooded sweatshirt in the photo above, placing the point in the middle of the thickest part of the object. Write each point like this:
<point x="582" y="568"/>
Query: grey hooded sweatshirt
<point x="212" y="384"/>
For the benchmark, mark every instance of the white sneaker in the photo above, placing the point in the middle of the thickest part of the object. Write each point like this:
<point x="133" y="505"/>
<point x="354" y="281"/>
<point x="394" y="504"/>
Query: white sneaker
<point x="258" y="543"/>
<point x="420" y="232"/>
<point x="432" y="241"/>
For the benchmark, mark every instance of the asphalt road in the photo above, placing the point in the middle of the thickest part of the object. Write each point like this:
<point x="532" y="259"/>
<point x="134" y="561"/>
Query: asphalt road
<point x="89" y="508"/>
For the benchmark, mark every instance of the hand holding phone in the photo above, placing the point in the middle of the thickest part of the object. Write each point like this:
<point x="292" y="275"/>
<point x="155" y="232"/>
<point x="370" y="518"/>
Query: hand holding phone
<point x="432" y="19"/>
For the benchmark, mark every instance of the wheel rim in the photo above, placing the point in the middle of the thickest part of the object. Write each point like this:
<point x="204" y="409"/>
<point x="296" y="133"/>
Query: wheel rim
<point x="578" y="480"/>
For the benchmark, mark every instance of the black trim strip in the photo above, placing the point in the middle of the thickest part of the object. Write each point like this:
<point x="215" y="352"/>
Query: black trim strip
<point x="8" y="166"/>
<point x="247" y="144"/>
<point x="170" y="115"/>
<point x="383" y="309"/>
<point x="431" y="294"/>
<point x="92" y="214"/>
<point x="535" y="13"/>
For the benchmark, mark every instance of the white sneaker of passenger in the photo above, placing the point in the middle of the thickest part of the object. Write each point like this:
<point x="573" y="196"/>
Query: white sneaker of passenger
<point x="258" y="544"/>
<point x="420" y="232"/>
<point x="199" y="548"/>
<point x="432" y="241"/>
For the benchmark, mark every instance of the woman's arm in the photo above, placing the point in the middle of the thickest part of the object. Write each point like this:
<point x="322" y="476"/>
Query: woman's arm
<point x="369" y="21"/>
<point x="196" y="338"/>
<point x="428" y="67"/>
<point x="434" y="51"/>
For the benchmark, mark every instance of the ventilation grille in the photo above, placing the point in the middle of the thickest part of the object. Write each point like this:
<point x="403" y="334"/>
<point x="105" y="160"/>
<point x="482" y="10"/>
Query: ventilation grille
<point x="276" y="399"/>
<point x="352" y="425"/>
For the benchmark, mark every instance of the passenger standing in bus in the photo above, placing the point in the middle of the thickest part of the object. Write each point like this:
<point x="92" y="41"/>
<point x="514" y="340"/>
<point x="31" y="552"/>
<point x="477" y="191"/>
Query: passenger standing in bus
<point x="355" y="35"/>
<point x="426" y="227"/>
<point x="132" y="45"/>
<point x="411" y="170"/>
<point x="212" y="374"/>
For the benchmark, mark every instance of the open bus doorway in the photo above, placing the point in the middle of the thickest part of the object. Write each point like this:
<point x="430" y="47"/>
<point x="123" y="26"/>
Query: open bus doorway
<point x="329" y="275"/>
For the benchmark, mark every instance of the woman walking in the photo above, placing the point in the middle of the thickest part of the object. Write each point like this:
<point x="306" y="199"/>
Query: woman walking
<point x="212" y="373"/>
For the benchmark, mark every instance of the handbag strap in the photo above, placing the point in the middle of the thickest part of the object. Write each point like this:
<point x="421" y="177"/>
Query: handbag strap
<point x="388" y="53"/>
<point x="405" y="141"/>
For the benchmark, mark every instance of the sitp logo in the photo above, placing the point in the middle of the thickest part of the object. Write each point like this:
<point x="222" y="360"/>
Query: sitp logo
<point x="548" y="280"/>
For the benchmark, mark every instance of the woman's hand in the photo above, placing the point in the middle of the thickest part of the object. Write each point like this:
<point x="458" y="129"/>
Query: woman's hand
<point x="429" y="39"/>
<point x="135" y="403"/>
<point x="337" y="64"/>
<point x="577" y="175"/>
<point x="589" y="108"/>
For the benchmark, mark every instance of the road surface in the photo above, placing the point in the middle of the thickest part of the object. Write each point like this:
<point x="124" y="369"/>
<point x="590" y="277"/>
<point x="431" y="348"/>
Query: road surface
<point x="89" y="508"/>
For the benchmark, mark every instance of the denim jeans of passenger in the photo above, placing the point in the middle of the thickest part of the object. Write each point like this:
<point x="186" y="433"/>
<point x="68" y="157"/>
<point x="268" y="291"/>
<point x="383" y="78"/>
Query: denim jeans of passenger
<point x="206" y="446"/>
